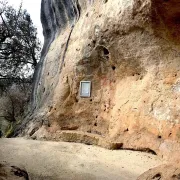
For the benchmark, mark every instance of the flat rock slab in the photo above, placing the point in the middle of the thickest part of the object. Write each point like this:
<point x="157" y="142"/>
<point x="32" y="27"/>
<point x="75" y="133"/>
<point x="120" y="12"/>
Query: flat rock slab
<point x="61" y="160"/>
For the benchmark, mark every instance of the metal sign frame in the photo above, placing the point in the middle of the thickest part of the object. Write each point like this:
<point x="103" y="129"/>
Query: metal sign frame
<point x="85" y="94"/>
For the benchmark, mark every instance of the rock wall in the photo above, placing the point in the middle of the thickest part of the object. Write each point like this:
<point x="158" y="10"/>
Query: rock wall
<point x="129" y="50"/>
<point x="55" y="16"/>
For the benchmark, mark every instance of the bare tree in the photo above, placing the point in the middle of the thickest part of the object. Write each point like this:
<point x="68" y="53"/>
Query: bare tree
<point x="19" y="45"/>
<point x="19" y="55"/>
<point x="13" y="106"/>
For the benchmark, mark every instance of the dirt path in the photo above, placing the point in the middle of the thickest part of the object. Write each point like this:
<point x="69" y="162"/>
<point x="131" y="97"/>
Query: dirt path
<point x="60" y="160"/>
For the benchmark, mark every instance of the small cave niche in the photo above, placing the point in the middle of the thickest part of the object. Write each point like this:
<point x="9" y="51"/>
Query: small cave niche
<point x="104" y="108"/>
<point x="157" y="176"/>
<point x="159" y="137"/>
<point x="102" y="52"/>
<point x="136" y="74"/>
<point x="105" y="1"/>
<point x="105" y="51"/>
<point x="44" y="89"/>
<point x="126" y="130"/>
<point x="113" y="67"/>
<point x="94" y="42"/>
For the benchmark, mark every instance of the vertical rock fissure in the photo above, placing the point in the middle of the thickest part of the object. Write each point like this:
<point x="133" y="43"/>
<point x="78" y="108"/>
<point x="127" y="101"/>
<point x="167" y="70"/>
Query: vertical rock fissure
<point x="66" y="47"/>
<point x="76" y="13"/>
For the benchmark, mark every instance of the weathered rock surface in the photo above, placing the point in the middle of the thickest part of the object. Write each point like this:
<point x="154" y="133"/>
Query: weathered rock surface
<point x="163" y="172"/>
<point x="8" y="172"/>
<point x="45" y="160"/>
<point x="130" y="51"/>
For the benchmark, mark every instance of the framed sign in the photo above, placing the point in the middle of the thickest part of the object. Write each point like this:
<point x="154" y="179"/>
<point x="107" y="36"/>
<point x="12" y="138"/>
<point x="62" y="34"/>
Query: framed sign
<point x="85" y="89"/>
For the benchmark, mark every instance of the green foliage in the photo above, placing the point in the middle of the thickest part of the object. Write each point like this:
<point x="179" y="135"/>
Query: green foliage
<point x="19" y="55"/>
<point x="19" y="45"/>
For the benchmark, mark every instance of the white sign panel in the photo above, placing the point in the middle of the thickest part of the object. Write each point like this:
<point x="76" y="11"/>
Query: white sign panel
<point x="85" y="88"/>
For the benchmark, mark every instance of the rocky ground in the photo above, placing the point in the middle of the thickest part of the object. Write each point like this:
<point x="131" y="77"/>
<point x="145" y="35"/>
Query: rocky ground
<point x="169" y="171"/>
<point x="60" y="160"/>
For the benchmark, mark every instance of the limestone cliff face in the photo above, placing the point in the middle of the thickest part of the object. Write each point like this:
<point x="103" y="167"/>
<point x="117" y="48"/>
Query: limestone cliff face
<point x="55" y="16"/>
<point x="129" y="50"/>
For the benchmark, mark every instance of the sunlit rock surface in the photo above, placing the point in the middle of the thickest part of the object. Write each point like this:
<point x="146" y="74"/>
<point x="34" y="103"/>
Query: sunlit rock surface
<point x="129" y="50"/>
<point x="164" y="172"/>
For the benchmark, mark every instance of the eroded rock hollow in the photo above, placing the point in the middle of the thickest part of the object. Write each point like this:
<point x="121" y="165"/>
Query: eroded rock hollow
<point x="129" y="50"/>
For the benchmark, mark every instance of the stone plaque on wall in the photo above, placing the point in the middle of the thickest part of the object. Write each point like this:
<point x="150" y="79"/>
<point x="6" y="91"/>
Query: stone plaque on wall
<point x="85" y="89"/>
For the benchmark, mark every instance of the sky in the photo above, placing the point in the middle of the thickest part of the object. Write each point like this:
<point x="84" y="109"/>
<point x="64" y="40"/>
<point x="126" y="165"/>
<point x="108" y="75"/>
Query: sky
<point x="33" y="8"/>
